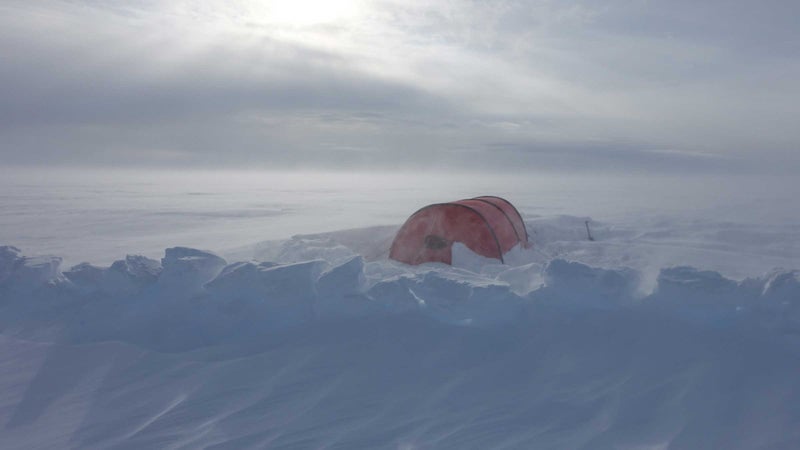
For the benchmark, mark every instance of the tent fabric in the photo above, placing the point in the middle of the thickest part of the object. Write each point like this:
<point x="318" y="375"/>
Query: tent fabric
<point x="511" y="213"/>
<point x="487" y="225"/>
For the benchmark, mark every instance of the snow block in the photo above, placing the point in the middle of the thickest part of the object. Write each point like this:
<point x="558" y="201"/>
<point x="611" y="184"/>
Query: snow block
<point x="688" y="286"/>
<point x="467" y="302"/>
<point x="188" y="269"/>
<point x="279" y="295"/>
<point x="137" y="268"/>
<point x="10" y="261"/>
<point x="523" y="279"/>
<point x="86" y="276"/>
<point x="40" y="270"/>
<point x="125" y="277"/>
<point x="393" y="295"/>
<point x="24" y="274"/>
<point x="576" y="283"/>
<point x="781" y="292"/>
<point x="340" y="291"/>
<point x="449" y="297"/>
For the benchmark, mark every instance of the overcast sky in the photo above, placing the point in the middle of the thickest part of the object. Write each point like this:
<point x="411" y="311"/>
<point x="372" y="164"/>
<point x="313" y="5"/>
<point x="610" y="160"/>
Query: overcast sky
<point x="620" y="84"/>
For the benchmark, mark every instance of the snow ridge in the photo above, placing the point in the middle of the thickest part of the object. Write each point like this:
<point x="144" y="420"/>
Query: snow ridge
<point x="194" y="298"/>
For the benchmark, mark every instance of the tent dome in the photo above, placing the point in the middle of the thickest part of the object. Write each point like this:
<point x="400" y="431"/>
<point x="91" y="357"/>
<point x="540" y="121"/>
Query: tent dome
<point x="488" y="225"/>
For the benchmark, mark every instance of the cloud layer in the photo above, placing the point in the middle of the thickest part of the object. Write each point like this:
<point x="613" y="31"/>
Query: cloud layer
<point x="578" y="84"/>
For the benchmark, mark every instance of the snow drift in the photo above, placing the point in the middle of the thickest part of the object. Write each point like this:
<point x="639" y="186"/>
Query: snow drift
<point x="320" y="343"/>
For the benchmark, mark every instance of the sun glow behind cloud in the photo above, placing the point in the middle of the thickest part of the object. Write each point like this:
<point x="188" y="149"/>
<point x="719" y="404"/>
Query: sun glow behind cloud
<point x="299" y="13"/>
<point x="348" y="81"/>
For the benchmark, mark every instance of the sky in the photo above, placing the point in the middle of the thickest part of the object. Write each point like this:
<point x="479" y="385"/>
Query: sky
<point x="523" y="85"/>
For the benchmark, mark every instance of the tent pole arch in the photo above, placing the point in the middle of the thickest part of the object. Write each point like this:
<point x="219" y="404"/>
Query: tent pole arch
<point x="524" y="228"/>
<point x="504" y="214"/>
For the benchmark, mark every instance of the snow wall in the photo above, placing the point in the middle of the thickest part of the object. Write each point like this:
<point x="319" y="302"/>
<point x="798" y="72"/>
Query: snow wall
<point x="193" y="298"/>
<point x="320" y="347"/>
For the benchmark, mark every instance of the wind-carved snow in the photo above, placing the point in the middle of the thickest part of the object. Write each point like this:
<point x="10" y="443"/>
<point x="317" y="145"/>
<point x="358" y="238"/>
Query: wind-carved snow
<point x="319" y="341"/>
<point x="318" y="278"/>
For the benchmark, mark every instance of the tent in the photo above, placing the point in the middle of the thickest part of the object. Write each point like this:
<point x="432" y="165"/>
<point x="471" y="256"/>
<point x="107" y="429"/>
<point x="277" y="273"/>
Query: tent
<point x="488" y="225"/>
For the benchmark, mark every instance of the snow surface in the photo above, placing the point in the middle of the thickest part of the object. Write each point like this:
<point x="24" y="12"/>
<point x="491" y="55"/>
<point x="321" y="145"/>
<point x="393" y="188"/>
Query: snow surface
<point x="312" y="344"/>
<point x="677" y="330"/>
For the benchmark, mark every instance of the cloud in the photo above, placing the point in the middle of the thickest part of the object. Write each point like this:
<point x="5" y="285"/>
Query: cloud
<point x="409" y="83"/>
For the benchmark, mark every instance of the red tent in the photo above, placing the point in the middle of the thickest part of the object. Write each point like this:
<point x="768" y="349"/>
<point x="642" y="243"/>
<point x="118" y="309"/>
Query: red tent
<point x="489" y="226"/>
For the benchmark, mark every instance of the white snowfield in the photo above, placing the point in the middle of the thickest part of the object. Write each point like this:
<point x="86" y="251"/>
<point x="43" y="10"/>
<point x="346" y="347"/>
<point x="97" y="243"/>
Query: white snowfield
<point x="321" y="342"/>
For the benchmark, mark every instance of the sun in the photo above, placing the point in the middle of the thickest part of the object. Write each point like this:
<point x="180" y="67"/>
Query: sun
<point x="309" y="12"/>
